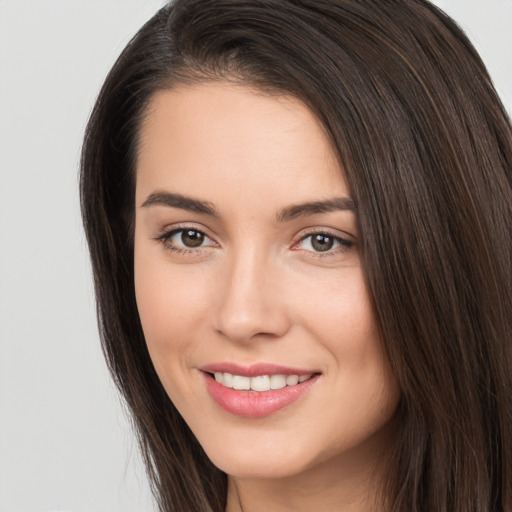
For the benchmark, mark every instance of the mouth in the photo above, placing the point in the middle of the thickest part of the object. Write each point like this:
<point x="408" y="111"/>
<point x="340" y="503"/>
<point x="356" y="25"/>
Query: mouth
<point x="259" y="383"/>
<point x="258" y="390"/>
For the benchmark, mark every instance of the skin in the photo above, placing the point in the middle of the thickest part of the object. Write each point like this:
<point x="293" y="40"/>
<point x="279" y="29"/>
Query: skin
<point x="258" y="291"/>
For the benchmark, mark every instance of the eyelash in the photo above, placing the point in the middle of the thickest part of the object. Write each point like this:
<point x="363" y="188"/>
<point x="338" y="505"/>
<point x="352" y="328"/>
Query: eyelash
<point x="344" y="244"/>
<point x="165" y="239"/>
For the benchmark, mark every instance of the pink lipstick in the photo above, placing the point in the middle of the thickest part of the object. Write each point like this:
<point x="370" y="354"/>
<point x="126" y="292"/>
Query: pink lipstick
<point x="258" y="390"/>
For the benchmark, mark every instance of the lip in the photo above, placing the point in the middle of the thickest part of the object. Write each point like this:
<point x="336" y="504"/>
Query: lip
<point x="255" y="404"/>
<point x="255" y="369"/>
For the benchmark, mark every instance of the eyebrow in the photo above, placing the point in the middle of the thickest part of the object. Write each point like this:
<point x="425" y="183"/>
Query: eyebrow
<point x="289" y="213"/>
<point x="179" y="201"/>
<point x="315" y="207"/>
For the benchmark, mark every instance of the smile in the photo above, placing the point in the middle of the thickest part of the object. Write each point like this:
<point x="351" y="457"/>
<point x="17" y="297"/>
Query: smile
<point x="256" y="391"/>
<point x="259" y="382"/>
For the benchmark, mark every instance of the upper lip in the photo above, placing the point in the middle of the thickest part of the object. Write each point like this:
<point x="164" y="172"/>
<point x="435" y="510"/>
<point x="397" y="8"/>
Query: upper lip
<point x="254" y="370"/>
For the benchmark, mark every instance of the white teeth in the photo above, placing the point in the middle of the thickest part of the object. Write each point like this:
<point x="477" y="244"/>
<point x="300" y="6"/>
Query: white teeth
<point x="228" y="380"/>
<point x="291" y="380"/>
<point x="240" y="382"/>
<point x="260" y="382"/>
<point x="277" y="381"/>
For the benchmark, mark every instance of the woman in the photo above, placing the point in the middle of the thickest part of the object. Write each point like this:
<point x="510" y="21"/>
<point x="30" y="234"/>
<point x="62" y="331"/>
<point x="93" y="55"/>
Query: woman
<point x="299" y="218"/>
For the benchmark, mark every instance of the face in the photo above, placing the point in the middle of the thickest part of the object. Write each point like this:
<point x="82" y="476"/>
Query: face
<point x="249" y="284"/>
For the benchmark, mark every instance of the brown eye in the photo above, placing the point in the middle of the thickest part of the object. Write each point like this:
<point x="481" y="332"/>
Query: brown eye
<point x="192" y="238"/>
<point x="322" y="243"/>
<point x="185" y="239"/>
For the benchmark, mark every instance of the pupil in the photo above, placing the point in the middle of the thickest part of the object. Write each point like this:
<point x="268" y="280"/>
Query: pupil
<point x="192" y="238"/>
<point x="322" y="243"/>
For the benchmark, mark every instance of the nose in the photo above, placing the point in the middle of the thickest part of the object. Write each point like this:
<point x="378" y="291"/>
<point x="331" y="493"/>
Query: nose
<point x="250" y="304"/>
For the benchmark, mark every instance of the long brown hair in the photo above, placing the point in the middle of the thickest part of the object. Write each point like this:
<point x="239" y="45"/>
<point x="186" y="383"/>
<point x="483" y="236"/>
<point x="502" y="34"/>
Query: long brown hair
<point x="427" y="150"/>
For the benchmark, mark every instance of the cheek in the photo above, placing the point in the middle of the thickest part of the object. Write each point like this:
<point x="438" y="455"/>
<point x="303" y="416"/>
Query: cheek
<point x="170" y="305"/>
<point x="340" y="317"/>
<point x="357" y="347"/>
<point x="338" y="311"/>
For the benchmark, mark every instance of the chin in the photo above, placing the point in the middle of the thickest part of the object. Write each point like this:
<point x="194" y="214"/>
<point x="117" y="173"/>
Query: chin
<point x="258" y="468"/>
<point x="264" y="458"/>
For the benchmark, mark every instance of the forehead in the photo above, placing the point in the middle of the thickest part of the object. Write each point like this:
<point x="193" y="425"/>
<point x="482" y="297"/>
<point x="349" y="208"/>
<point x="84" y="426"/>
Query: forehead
<point x="225" y="142"/>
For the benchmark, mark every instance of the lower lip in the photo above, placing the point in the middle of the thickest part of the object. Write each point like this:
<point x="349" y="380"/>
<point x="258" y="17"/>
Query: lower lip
<point x="256" y="404"/>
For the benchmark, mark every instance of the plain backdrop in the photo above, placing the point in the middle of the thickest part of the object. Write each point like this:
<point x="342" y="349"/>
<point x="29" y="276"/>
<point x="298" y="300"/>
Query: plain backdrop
<point x="65" y="441"/>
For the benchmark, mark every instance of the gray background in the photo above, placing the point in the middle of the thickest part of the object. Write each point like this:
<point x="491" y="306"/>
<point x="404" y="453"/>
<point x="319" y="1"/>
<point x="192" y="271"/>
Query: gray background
<point x="65" y="442"/>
